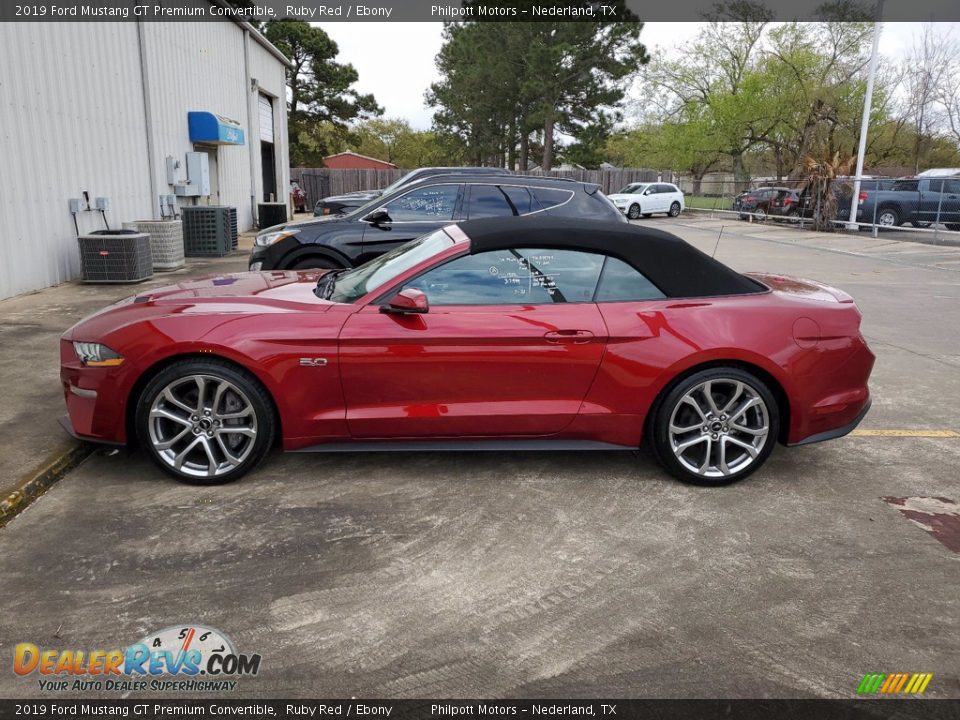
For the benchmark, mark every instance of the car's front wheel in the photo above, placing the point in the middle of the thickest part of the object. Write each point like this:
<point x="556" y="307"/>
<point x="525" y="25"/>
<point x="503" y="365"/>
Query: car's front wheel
<point x="205" y="421"/>
<point x="633" y="212"/>
<point x="715" y="427"/>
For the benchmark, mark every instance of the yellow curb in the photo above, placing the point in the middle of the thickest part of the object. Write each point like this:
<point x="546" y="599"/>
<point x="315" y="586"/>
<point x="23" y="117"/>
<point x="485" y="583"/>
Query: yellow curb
<point x="861" y="432"/>
<point x="32" y="485"/>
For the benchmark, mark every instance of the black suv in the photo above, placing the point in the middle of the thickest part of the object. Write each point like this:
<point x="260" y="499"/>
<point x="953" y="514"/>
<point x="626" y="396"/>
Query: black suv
<point x="339" y="204"/>
<point x="342" y="241"/>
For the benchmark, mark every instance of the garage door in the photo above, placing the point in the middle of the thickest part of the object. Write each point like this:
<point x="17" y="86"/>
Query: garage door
<point x="266" y="119"/>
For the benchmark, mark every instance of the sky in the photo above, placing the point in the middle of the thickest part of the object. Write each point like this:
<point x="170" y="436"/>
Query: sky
<point x="399" y="79"/>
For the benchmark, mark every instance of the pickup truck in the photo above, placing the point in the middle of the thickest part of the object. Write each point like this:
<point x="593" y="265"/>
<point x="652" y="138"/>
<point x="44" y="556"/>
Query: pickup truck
<point x="920" y="201"/>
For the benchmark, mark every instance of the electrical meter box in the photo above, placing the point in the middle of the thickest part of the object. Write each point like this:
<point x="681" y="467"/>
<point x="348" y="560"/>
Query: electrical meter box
<point x="198" y="176"/>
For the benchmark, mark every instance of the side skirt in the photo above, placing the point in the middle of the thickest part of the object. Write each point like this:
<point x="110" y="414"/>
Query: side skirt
<point x="457" y="445"/>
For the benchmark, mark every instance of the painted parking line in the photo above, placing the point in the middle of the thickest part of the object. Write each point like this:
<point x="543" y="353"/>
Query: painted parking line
<point x="863" y="432"/>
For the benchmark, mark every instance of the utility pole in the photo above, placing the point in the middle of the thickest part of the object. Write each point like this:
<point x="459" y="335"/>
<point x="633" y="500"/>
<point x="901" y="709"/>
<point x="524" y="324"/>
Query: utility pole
<point x="865" y="122"/>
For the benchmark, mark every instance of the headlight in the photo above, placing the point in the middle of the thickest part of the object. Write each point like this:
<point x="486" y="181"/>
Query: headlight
<point x="272" y="237"/>
<point x="96" y="355"/>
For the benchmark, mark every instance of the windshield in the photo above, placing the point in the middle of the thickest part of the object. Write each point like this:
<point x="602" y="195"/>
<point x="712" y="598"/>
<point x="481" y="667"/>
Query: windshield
<point x="368" y="277"/>
<point x="633" y="188"/>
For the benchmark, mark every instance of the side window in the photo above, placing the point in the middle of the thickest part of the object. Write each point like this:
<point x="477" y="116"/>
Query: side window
<point x="936" y="186"/>
<point x="520" y="197"/>
<point x="551" y="197"/>
<point x="951" y="187"/>
<point x="488" y="201"/>
<point x="435" y="202"/>
<point x="517" y="276"/>
<point x="620" y="282"/>
<point x="906" y="186"/>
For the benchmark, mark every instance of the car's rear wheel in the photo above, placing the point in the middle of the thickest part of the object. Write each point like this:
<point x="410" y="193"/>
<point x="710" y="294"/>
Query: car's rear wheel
<point x="715" y="427"/>
<point x="316" y="263"/>
<point x="633" y="212"/>
<point x="888" y="217"/>
<point x="205" y="421"/>
<point x="675" y="209"/>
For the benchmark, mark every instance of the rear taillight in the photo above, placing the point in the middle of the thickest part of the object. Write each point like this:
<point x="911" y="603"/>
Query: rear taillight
<point x="788" y="201"/>
<point x="863" y="196"/>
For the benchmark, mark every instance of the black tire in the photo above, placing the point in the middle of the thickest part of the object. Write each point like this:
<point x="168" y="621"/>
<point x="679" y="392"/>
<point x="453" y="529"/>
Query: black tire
<point x="894" y="215"/>
<point x="316" y="263"/>
<point x="633" y="212"/>
<point x="252" y="390"/>
<point x="675" y="209"/>
<point x="661" y="442"/>
<point x="955" y="227"/>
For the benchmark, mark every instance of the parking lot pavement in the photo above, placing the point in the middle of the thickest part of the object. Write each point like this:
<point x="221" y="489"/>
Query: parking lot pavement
<point x="565" y="574"/>
<point x="30" y="329"/>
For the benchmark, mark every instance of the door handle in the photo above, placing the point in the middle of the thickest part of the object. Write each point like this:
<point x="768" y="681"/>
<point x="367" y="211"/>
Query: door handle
<point x="575" y="337"/>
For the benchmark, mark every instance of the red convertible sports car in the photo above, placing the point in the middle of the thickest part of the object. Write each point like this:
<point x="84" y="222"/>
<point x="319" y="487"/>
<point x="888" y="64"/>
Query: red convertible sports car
<point x="503" y="333"/>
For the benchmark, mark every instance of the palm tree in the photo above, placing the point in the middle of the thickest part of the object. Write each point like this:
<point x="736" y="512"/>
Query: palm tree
<point x="821" y="174"/>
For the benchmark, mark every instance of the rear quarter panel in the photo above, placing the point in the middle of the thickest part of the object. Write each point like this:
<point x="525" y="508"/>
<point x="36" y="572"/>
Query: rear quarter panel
<point x="653" y="343"/>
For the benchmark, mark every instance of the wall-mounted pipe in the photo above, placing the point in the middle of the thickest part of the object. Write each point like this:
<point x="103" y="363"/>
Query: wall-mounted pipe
<point x="148" y="123"/>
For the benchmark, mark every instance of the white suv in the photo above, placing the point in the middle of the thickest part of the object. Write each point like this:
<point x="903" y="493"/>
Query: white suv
<point x="645" y="199"/>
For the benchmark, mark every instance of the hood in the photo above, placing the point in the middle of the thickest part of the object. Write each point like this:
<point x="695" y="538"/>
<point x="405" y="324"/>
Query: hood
<point x="354" y="196"/>
<point x="278" y="286"/>
<point x="234" y="294"/>
<point x="624" y="197"/>
<point x="293" y="226"/>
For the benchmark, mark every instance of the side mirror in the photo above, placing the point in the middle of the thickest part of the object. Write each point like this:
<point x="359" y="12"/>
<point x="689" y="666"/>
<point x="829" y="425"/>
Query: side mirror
<point x="648" y="191"/>
<point x="378" y="216"/>
<point x="408" y="300"/>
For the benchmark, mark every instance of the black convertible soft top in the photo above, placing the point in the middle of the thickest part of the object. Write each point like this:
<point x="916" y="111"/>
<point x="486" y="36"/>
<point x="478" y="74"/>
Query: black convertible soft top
<point x="674" y="266"/>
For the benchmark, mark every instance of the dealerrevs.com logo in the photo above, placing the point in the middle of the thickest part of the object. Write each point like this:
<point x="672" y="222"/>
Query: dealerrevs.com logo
<point x="180" y="658"/>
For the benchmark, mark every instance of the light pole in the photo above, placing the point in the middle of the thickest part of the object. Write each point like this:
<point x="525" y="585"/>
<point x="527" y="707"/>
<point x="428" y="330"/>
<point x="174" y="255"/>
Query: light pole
<point x="865" y="122"/>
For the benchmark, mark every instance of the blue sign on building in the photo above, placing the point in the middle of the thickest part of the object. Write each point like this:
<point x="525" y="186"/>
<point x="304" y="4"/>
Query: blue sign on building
<point x="207" y="127"/>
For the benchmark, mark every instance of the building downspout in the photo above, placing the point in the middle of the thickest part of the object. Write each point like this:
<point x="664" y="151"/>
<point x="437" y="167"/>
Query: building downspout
<point x="148" y="122"/>
<point x="248" y="88"/>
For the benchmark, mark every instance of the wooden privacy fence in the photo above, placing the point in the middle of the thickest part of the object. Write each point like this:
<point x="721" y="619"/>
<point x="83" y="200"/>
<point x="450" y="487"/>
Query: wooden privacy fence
<point x="319" y="183"/>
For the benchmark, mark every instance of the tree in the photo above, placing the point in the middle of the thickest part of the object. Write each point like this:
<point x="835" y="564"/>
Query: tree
<point x="320" y="89"/>
<point x="395" y="141"/>
<point x="714" y="81"/>
<point x="930" y="70"/>
<point x="502" y="80"/>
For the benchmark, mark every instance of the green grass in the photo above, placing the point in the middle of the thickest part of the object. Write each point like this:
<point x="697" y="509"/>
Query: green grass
<point x="708" y="203"/>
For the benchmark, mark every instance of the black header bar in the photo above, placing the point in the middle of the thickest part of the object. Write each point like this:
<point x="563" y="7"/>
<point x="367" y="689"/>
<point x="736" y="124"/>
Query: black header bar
<point x="475" y="10"/>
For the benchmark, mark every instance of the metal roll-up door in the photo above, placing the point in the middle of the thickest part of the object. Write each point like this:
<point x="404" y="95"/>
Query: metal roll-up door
<point x="266" y="119"/>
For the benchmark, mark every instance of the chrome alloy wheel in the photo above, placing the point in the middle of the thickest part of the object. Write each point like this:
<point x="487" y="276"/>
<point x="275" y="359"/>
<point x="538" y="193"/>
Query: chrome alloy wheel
<point x="719" y="427"/>
<point x="202" y="426"/>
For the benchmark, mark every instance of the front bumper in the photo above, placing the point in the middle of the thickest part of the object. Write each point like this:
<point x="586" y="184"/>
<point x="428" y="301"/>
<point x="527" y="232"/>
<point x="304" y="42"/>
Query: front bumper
<point x="271" y="257"/>
<point x="95" y="399"/>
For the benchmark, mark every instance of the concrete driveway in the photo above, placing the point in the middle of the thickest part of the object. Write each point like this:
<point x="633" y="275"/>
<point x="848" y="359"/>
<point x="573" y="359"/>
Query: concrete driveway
<point x="565" y="574"/>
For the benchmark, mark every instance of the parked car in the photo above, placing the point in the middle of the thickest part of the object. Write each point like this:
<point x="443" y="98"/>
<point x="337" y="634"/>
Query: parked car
<point x="340" y="204"/>
<point x="501" y="333"/>
<point x="842" y="189"/>
<point x="343" y="241"/>
<point x="645" y="199"/>
<point x="919" y="201"/>
<point x="758" y="202"/>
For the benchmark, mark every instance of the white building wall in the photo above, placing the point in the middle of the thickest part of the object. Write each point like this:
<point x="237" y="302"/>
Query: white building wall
<point x="71" y="119"/>
<point x="199" y="66"/>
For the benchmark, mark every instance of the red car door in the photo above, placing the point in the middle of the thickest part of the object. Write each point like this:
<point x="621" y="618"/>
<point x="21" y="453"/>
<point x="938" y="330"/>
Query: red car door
<point x="502" y="350"/>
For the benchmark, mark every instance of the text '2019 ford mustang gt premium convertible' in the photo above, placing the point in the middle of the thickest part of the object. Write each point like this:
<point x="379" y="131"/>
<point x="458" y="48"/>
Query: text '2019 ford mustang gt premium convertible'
<point x="492" y="334"/>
